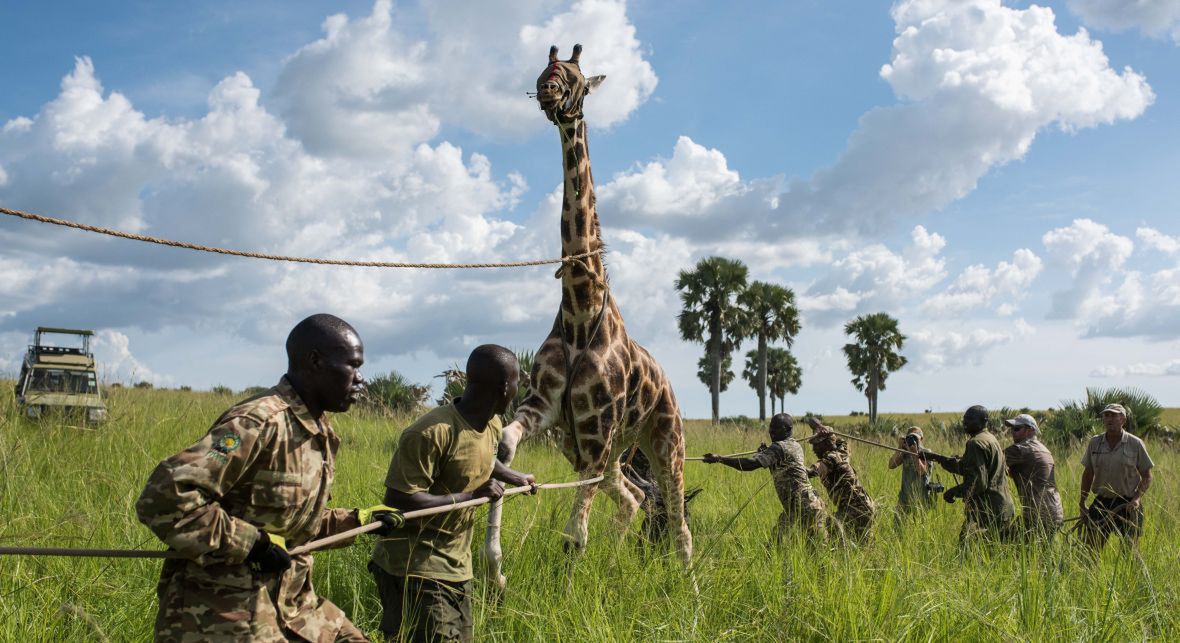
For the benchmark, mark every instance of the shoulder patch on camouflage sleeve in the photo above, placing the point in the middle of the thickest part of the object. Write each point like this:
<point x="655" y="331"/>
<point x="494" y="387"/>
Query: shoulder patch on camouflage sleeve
<point x="259" y="409"/>
<point x="227" y="442"/>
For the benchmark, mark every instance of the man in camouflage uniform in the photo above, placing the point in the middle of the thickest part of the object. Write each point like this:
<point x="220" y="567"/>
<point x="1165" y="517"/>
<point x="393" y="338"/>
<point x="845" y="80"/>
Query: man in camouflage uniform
<point x="854" y="508"/>
<point x="988" y="505"/>
<point x="1031" y="465"/>
<point x="802" y="507"/>
<point x="258" y="481"/>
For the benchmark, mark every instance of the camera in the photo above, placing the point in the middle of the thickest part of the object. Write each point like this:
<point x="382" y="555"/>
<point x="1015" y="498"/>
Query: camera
<point x="935" y="487"/>
<point x="911" y="440"/>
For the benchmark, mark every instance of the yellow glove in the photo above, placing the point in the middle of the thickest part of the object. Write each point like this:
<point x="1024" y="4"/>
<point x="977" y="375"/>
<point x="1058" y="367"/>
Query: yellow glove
<point x="278" y="540"/>
<point x="389" y="518"/>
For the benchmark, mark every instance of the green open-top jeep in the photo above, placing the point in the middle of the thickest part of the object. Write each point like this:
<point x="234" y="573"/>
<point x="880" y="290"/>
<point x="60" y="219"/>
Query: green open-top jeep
<point x="60" y="378"/>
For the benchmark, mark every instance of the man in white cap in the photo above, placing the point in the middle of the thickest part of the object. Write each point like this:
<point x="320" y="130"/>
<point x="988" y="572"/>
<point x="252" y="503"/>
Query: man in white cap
<point x="1118" y="471"/>
<point x="1030" y="465"/>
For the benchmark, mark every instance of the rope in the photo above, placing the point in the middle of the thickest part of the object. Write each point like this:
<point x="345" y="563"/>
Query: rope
<point x="302" y="549"/>
<point x="272" y="257"/>
<point x="731" y="455"/>
<point x="919" y="455"/>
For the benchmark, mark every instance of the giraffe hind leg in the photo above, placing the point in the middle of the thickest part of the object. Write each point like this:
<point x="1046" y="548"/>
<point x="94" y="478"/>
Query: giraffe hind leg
<point x="666" y="448"/>
<point x="623" y="492"/>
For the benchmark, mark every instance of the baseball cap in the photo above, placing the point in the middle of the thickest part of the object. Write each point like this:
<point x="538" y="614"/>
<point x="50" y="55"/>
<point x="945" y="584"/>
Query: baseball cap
<point x="1024" y="419"/>
<point x="1115" y="408"/>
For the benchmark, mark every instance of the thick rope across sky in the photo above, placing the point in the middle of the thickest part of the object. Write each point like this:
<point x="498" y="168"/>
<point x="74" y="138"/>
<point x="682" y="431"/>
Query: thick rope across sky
<point x="272" y="257"/>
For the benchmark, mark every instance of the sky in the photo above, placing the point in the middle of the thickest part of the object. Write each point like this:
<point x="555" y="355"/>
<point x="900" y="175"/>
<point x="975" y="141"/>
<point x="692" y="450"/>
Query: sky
<point x="998" y="176"/>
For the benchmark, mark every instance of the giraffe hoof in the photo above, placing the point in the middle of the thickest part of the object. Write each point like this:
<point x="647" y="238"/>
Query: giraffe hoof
<point x="572" y="548"/>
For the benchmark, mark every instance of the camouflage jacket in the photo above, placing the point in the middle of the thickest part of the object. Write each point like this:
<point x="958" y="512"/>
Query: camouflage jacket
<point x="784" y="459"/>
<point x="266" y="464"/>
<point x="837" y="475"/>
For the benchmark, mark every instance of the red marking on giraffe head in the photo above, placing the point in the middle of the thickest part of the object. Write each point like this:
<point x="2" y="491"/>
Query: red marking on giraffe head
<point x="561" y="88"/>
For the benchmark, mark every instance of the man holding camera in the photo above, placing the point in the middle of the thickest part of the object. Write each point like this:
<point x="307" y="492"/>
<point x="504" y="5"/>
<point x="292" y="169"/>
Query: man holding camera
<point x="988" y="505"/>
<point x="916" y="491"/>
<point x="1030" y="465"/>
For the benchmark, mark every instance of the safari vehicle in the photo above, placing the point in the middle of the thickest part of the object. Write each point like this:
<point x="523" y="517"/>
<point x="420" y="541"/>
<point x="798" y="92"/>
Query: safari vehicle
<point x="60" y="379"/>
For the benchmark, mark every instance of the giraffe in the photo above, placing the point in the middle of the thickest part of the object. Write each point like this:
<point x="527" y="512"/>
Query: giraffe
<point x="588" y="370"/>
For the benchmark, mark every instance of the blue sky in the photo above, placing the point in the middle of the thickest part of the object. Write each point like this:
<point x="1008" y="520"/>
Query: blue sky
<point x="996" y="175"/>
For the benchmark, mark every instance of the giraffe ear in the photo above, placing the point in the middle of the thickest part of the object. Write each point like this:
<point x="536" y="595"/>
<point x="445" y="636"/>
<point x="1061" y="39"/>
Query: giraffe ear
<point x="593" y="82"/>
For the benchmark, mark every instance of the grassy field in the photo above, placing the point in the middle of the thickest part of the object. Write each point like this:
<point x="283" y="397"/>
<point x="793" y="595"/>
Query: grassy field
<point x="65" y="486"/>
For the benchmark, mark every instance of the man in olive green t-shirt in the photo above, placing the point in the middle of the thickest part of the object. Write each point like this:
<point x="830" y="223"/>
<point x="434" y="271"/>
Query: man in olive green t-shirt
<point x="423" y="572"/>
<point x="989" y="509"/>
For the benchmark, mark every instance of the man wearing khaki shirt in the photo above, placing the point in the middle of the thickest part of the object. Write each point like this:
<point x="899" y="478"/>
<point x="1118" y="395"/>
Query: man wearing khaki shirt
<point x="1118" y="471"/>
<point x="1031" y="465"/>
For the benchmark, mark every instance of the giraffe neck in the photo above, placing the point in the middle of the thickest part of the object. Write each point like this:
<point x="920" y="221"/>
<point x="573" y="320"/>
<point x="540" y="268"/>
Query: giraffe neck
<point x="583" y="282"/>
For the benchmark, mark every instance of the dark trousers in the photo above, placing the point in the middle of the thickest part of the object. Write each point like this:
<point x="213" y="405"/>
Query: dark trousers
<point x="423" y="610"/>
<point x="1107" y="516"/>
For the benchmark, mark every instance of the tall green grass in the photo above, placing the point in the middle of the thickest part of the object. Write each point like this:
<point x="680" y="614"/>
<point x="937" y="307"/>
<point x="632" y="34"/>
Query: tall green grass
<point x="69" y="486"/>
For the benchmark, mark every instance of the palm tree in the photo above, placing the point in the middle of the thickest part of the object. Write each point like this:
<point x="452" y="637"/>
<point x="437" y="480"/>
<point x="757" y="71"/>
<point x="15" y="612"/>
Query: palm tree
<point x="783" y="376"/>
<point x="768" y="314"/>
<point x="705" y="371"/>
<point x="874" y="355"/>
<point x="710" y="315"/>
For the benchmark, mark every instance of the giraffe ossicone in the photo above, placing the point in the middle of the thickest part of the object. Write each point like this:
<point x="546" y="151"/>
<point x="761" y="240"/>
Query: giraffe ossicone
<point x="603" y="389"/>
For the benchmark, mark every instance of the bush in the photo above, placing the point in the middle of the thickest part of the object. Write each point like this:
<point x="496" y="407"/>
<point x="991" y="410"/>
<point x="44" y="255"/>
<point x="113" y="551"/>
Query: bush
<point x="1080" y="419"/>
<point x="143" y="384"/>
<point x="455" y="380"/>
<point x="743" y="422"/>
<point x="222" y="390"/>
<point x="251" y="391"/>
<point x="394" y="394"/>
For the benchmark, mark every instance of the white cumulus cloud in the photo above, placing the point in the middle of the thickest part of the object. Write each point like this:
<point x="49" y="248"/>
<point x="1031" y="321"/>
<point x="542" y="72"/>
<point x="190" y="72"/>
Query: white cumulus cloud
<point x="979" y="285"/>
<point x="874" y="277"/>
<point x="112" y="352"/>
<point x="1154" y="18"/>
<point x="370" y="88"/>
<point x="935" y="350"/>
<point x="1093" y="255"/>
<point x="1158" y="241"/>
<point x="977" y="81"/>
<point x="1169" y="368"/>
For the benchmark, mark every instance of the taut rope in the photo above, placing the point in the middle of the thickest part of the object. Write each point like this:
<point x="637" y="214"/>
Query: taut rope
<point x="272" y="257"/>
<point x="302" y="549"/>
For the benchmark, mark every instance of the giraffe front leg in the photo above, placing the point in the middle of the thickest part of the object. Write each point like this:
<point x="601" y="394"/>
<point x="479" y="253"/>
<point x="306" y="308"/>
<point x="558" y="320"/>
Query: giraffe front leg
<point x="577" y="530"/>
<point x="532" y="416"/>
<point x="493" y="552"/>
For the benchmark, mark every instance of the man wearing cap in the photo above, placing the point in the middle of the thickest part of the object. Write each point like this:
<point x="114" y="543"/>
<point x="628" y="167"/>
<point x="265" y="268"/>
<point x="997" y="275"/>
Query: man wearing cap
<point x="1118" y="471"/>
<point x="914" y="496"/>
<point x="1030" y="465"/>
<point x="854" y="508"/>
<point x="802" y="506"/>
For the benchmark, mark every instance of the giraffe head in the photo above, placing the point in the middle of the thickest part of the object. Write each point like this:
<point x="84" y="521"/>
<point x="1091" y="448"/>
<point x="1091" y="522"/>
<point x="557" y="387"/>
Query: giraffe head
<point x="562" y="87"/>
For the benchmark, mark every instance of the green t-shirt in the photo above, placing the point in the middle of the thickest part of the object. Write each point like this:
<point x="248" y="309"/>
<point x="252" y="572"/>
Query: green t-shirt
<point x="439" y="454"/>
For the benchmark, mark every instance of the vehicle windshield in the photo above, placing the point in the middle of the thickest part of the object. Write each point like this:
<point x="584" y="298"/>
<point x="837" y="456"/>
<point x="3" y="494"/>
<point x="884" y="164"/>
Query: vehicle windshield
<point x="62" y="381"/>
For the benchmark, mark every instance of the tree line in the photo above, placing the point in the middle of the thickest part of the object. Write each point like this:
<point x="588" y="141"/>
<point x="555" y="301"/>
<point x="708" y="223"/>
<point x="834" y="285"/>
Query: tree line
<point x="721" y="308"/>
